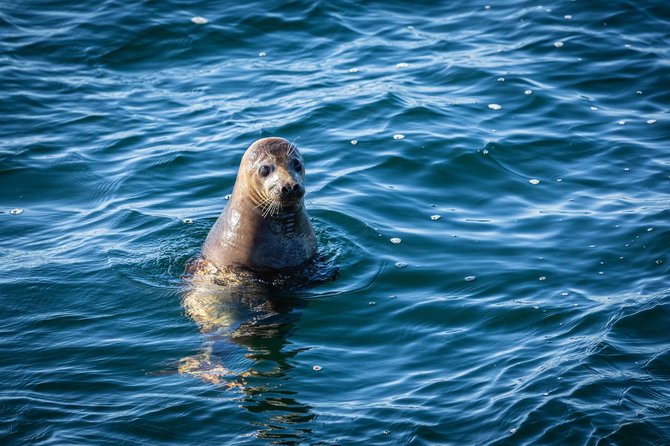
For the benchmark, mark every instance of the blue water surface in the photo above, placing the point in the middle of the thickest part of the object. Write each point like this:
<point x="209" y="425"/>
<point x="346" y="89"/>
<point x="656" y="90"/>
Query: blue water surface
<point x="519" y="151"/>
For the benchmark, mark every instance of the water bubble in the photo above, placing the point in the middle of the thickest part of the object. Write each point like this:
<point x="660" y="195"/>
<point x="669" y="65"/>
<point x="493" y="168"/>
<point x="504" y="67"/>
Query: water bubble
<point x="559" y="180"/>
<point x="567" y="17"/>
<point x="501" y="79"/>
<point x="626" y="169"/>
<point x="564" y="293"/>
<point x="469" y="278"/>
<point x="651" y="121"/>
<point x="601" y="273"/>
<point x="400" y="265"/>
<point x="495" y="106"/>
<point x="535" y="307"/>
<point x="372" y="303"/>
<point x="227" y="197"/>
<point x="398" y="136"/>
<point x="622" y="122"/>
<point x="262" y="54"/>
<point x="594" y="108"/>
<point x="353" y="70"/>
<point x="528" y="92"/>
<point x="659" y="261"/>
<point x="485" y="152"/>
<point x="316" y="368"/>
<point x="395" y="240"/>
<point x="628" y="45"/>
<point x="435" y="217"/>
<point x="513" y="430"/>
<point x="199" y="20"/>
<point x="650" y="229"/>
<point x="558" y="44"/>
<point x="402" y="65"/>
<point x="16" y="211"/>
<point x="393" y="296"/>
<point x="534" y="181"/>
<point x="354" y="142"/>
<point x="188" y="221"/>
<point x="592" y="246"/>
<point x="638" y="92"/>
<point x="542" y="278"/>
<point x="487" y="7"/>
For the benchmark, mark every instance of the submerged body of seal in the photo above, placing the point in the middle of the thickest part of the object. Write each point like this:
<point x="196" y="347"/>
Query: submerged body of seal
<point x="263" y="229"/>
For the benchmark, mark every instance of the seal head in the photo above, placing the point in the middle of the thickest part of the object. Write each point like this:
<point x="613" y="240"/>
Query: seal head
<point x="265" y="225"/>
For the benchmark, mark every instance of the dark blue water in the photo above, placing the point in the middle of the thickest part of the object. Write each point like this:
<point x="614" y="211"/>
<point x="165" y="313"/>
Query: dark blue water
<point x="519" y="150"/>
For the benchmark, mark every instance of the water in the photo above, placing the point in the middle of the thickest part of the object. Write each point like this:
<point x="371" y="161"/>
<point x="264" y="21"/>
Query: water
<point x="534" y="310"/>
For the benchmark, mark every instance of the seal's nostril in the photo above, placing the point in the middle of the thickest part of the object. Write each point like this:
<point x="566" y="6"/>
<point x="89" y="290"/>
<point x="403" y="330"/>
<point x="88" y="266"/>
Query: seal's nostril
<point x="296" y="187"/>
<point x="284" y="189"/>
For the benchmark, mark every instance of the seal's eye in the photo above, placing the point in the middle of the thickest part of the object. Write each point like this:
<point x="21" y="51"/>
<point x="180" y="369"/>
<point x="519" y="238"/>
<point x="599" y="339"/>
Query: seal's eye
<point x="297" y="165"/>
<point x="264" y="171"/>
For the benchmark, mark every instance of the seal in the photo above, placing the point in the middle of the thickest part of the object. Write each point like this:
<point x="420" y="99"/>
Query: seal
<point x="263" y="231"/>
<point x="264" y="226"/>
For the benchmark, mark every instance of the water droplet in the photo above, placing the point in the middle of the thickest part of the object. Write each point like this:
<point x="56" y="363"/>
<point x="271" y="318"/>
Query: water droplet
<point x="558" y="44"/>
<point x="622" y="122"/>
<point x="626" y="169"/>
<point x="651" y="121"/>
<point x="542" y="278"/>
<point x="469" y="278"/>
<point x="398" y="136"/>
<point x="435" y="217"/>
<point x="528" y="92"/>
<point x="594" y="108"/>
<point x="188" y="221"/>
<point x="316" y="368"/>
<point x="400" y="265"/>
<point x="262" y="54"/>
<point x="354" y="142"/>
<point x="372" y="303"/>
<point x="513" y="430"/>
<point x="638" y="92"/>
<point x="592" y="246"/>
<point x="395" y="240"/>
<point x="650" y="229"/>
<point x="485" y="152"/>
<point x="567" y="17"/>
<point x="16" y="211"/>
<point x="534" y="181"/>
<point x="402" y="65"/>
<point x="535" y="307"/>
<point x="558" y="180"/>
<point x="227" y="197"/>
<point x="659" y="261"/>
<point x="199" y="20"/>
<point x="393" y="296"/>
<point x="501" y="79"/>
<point x="353" y="70"/>
<point x="564" y="293"/>
<point x="495" y="106"/>
<point x="487" y="7"/>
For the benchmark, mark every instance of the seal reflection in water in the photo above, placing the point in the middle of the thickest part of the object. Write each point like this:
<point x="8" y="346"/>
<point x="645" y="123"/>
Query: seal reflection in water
<point x="263" y="230"/>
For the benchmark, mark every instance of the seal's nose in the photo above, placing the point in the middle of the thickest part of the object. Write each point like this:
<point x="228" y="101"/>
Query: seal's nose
<point x="292" y="189"/>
